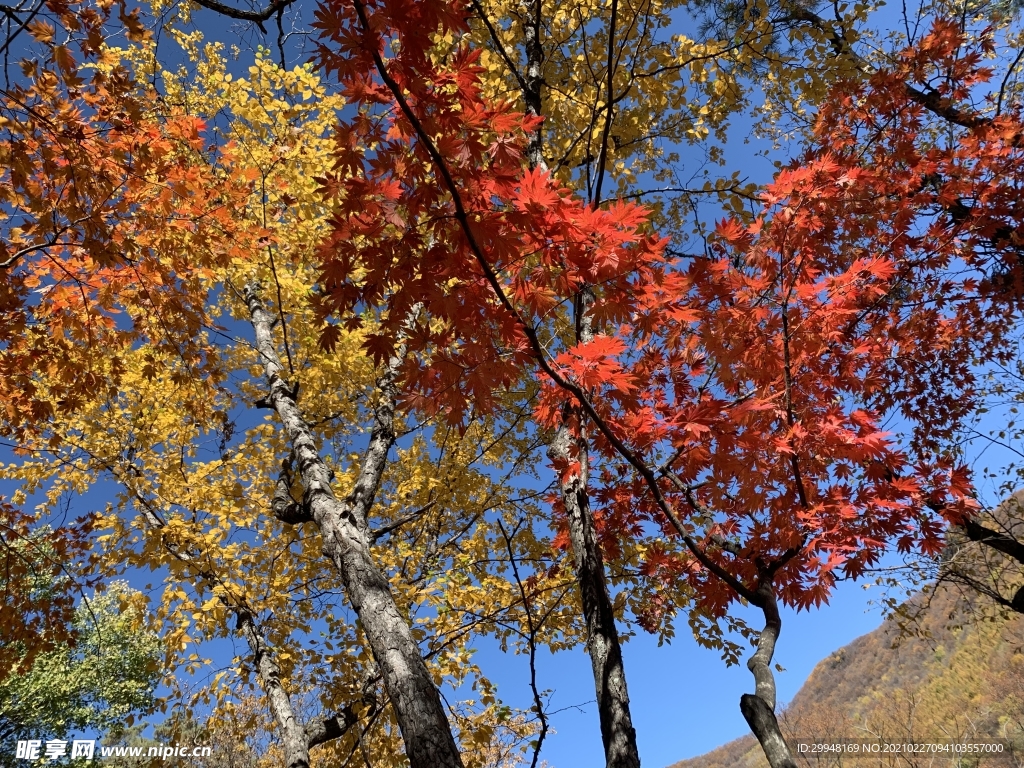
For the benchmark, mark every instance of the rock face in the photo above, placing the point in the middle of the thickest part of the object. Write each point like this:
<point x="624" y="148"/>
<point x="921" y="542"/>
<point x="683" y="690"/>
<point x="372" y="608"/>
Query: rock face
<point x="959" y="677"/>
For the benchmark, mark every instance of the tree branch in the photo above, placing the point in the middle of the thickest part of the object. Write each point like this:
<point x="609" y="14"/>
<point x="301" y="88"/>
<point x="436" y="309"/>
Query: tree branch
<point x="283" y="505"/>
<point x="512" y="68"/>
<point x="930" y="100"/>
<point x="737" y="586"/>
<point x="531" y="641"/>
<point x="998" y="541"/>
<point x="392" y="527"/>
<point x="255" y="16"/>
<point x="328" y="729"/>
<point x="602" y="157"/>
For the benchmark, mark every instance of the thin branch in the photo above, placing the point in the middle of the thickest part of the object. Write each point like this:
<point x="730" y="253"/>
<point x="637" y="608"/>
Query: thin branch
<point x="1006" y="80"/>
<point x="531" y="641"/>
<point x="512" y="68"/>
<point x="602" y="157"/>
<point x="5" y="47"/>
<point x="787" y="372"/>
<point x="930" y="99"/>
<point x="387" y="529"/>
<point x="255" y="16"/>
<point x="280" y="39"/>
<point x="737" y="586"/>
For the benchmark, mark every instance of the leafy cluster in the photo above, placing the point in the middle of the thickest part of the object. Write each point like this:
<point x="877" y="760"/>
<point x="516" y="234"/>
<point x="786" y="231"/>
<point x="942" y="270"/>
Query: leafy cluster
<point x="311" y="331"/>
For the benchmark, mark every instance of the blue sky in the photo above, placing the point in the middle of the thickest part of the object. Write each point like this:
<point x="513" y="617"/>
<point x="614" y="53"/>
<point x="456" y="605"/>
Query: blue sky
<point x="684" y="700"/>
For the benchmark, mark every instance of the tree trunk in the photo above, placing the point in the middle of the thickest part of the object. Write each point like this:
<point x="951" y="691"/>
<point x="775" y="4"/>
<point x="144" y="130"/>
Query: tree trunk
<point x="759" y="708"/>
<point x="533" y="81"/>
<point x="428" y="738"/>
<point x="293" y="733"/>
<point x="765" y="727"/>
<point x="617" y="732"/>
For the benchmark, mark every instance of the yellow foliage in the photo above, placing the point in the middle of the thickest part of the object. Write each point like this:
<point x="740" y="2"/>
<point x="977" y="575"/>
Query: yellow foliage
<point x="191" y="466"/>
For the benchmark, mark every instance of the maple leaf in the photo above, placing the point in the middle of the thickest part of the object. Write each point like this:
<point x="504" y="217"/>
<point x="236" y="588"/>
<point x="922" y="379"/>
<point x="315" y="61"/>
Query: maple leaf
<point x="536" y="193"/>
<point x="329" y="336"/>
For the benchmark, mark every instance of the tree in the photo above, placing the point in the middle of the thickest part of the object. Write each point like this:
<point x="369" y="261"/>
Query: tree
<point x="207" y="494"/>
<point x="956" y="149"/>
<point x="727" y="472"/>
<point x="101" y="682"/>
<point x="593" y="72"/>
<point x="39" y="582"/>
<point x="761" y="457"/>
<point x="981" y="562"/>
<point x="97" y="190"/>
<point x="242" y="735"/>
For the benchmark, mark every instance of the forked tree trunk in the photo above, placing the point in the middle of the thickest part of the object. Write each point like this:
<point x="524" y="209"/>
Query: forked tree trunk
<point x="428" y="738"/>
<point x="296" y="738"/>
<point x="759" y="708"/>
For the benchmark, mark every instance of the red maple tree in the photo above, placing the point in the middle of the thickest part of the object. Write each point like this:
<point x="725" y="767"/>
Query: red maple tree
<point x="737" y="401"/>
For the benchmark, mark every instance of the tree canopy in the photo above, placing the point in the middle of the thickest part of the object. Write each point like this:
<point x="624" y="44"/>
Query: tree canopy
<point x="471" y="324"/>
<point x="107" y="677"/>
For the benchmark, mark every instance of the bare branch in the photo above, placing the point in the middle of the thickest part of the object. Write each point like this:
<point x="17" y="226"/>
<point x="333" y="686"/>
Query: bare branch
<point x="531" y="642"/>
<point x="258" y="17"/>
<point x="392" y="527"/>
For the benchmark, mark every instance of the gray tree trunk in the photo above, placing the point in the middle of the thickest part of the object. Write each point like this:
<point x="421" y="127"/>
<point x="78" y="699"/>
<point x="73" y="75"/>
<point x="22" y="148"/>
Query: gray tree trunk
<point x="533" y="82"/>
<point x="617" y="732"/>
<point x="298" y="739"/>
<point x="759" y="708"/>
<point x="292" y="732"/>
<point x="428" y="738"/>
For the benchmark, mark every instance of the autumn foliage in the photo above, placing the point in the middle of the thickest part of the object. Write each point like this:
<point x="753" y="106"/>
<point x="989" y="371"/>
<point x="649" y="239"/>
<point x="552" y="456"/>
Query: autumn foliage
<point x="39" y="586"/>
<point x="737" y="397"/>
<point x="98" y="191"/>
<point x="754" y="421"/>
